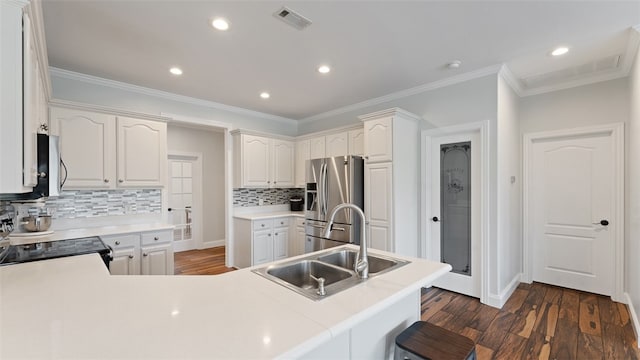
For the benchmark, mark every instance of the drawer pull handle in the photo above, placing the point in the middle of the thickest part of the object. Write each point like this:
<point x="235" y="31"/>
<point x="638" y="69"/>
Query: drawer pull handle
<point x="120" y="181"/>
<point x="281" y="222"/>
<point x="145" y="254"/>
<point x="117" y="242"/>
<point x="269" y="234"/>
<point x="262" y="225"/>
<point x="276" y="234"/>
<point x="106" y="181"/>
<point x="130" y="256"/>
<point x="156" y="238"/>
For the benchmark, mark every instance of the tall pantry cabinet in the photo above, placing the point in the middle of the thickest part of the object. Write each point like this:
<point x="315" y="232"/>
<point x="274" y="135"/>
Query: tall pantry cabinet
<point x="392" y="179"/>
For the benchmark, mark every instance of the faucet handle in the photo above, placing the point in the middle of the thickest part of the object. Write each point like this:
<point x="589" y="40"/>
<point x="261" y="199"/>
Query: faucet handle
<point x="321" y="291"/>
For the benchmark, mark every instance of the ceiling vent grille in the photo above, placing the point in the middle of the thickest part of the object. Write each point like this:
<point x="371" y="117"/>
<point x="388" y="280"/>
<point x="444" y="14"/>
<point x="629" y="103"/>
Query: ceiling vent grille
<point x="609" y="63"/>
<point x="292" y="18"/>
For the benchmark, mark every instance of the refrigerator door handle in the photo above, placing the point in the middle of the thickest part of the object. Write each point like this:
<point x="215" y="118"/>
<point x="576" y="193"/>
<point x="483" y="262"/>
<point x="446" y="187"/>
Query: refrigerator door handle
<point x="325" y="191"/>
<point x="320" y="195"/>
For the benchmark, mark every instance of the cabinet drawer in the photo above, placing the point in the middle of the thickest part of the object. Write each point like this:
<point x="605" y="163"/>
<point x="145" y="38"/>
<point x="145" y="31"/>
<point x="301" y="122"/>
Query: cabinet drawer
<point x="299" y="221"/>
<point x="121" y="241"/>
<point x="157" y="237"/>
<point x="282" y="222"/>
<point x="262" y="224"/>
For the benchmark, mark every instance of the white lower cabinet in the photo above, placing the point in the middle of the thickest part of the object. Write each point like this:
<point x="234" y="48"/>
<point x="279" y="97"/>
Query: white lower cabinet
<point x="261" y="241"/>
<point x="296" y="244"/>
<point x="149" y="253"/>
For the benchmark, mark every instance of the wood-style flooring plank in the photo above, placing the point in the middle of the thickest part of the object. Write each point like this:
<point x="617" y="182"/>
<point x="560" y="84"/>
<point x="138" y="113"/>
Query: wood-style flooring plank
<point x="515" y="301"/>
<point x="590" y="317"/>
<point x="565" y="344"/>
<point x="201" y="262"/>
<point x="538" y="347"/>
<point x="483" y="352"/>
<point x="589" y="347"/>
<point x="512" y="347"/>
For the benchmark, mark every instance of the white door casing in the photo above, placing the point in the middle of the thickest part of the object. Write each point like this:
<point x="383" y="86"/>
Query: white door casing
<point x="429" y="246"/>
<point x="465" y="284"/>
<point x="573" y="181"/>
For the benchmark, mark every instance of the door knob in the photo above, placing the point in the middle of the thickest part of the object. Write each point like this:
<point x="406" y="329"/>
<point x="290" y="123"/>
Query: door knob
<point x="435" y="219"/>
<point x="602" y="222"/>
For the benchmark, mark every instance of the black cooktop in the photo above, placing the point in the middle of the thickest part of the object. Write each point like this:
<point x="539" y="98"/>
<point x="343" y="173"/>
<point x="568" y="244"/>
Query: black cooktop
<point x="55" y="249"/>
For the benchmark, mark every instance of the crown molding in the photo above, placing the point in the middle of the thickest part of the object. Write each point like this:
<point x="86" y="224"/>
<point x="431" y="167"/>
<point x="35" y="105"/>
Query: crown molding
<point x="332" y="131"/>
<point x="511" y="80"/>
<point x="263" y="134"/>
<point x="390" y="112"/>
<point x="107" y="110"/>
<point x="90" y="79"/>
<point x="407" y="92"/>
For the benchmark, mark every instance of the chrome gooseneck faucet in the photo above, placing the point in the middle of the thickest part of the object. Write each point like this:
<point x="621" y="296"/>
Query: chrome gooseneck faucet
<point x="362" y="260"/>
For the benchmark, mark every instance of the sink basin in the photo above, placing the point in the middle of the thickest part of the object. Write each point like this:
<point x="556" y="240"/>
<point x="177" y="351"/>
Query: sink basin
<point x="347" y="259"/>
<point x="299" y="274"/>
<point x="335" y="266"/>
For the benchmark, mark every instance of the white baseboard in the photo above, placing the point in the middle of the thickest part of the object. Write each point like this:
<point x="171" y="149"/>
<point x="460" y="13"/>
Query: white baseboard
<point x="634" y="317"/>
<point x="498" y="301"/>
<point x="213" y="243"/>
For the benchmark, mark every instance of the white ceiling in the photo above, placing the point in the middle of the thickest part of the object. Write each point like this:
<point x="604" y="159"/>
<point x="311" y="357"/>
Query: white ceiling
<point x="374" y="47"/>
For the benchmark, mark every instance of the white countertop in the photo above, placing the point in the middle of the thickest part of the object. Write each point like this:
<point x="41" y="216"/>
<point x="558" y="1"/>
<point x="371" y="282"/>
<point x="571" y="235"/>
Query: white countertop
<point x="72" y="308"/>
<point x="269" y="215"/>
<point x="90" y="231"/>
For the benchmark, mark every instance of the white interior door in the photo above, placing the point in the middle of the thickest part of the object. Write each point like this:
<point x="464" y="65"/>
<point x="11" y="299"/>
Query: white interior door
<point x="185" y="201"/>
<point x="571" y="192"/>
<point x="455" y="210"/>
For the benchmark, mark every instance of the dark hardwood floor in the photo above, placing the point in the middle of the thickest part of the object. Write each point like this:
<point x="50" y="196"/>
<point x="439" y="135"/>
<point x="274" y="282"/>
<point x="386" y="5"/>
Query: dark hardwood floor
<point x="538" y="321"/>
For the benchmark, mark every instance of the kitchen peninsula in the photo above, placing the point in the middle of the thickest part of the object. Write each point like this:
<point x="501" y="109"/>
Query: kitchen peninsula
<point x="73" y="308"/>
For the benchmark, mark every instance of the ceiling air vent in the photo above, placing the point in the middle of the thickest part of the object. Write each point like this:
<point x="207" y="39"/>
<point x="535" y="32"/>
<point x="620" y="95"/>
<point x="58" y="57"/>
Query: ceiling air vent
<point x="596" y="67"/>
<point x="292" y="18"/>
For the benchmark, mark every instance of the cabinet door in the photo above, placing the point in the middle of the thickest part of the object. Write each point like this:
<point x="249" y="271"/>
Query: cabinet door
<point x="255" y="161"/>
<point x="31" y="93"/>
<point x="157" y="259"/>
<point x="125" y="261"/>
<point x="280" y="243"/>
<point x="141" y="152"/>
<point x="262" y="247"/>
<point x="302" y="155"/>
<point x="337" y="144"/>
<point x="378" y="206"/>
<point x="317" y="148"/>
<point x="356" y="142"/>
<point x="378" y="139"/>
<point x="299" y="240"/>
<point x="283" y="163"/>
<point x="87" y="147"/>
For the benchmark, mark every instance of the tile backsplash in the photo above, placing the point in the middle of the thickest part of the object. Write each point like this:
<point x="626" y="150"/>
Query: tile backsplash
<point x="244" y="197"/>
<point x="75" y="204"/>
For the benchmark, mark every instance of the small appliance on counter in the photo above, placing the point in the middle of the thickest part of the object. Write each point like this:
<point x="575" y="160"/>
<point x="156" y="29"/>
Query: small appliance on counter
<point x="7" y="214"/>
<point x="33" y="219"/>
<point x="296" y="203"/>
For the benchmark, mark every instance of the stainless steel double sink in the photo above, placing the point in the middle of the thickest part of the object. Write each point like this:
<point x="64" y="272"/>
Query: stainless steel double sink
<point x="336" y="267"/>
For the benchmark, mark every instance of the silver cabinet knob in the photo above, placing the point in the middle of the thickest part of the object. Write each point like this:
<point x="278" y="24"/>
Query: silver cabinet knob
<point x="130" y="256"/>
<point x="120" y="180"/>
<point x="269" y="234"/>
<point x="156" y="238"/>
<point x="117" y="242"/>
<point x="274" y="182"/>
<point x="276" y="234"/>
<point x="262" y="225"/>
<point x="145" y="254"/>
<point x="106" y="181"/>
<point x="269" y="182"/>
<point x="281" y="222"/>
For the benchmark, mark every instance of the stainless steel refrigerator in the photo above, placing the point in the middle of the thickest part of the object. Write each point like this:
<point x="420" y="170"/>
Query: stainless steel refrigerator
<point x="331" y="182"/>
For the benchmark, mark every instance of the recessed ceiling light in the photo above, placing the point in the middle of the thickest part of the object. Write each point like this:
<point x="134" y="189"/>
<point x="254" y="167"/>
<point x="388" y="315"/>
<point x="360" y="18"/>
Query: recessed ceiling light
<point x="175" y="71"/>
<point x="265" y="95"/>
<point x="220" y="24"/>
<point x="454" y="64"/>
<point x="323" y="69"/>
<point x="560" y="51"/>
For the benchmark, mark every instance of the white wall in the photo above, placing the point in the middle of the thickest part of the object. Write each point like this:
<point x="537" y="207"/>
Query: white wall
<point x="117" y="96"/>
<point x="470" y="101"/>
<point x="595" y="104"/>
<point x="211" y="145"/>
<point x="632" y="240"/>
<point x="509" y="239"/>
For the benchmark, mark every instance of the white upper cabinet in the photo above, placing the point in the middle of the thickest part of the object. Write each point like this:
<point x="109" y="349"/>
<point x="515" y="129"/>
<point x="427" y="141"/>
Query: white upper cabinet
<point x="256" y="161"/>
<point x="337" y="144"/>
<point x="141" y="152"/>
<point x="378" y="140"/>
<point x="283" y="163"/>
<point x="263" y="162"/>
<point x="102" y="151"/>
<point x="356" y="142"/>
<point x="317" y="148"/>
<point x="302" y="155"/>
<point x="87" y="147"/>
<point x="23" y="95"/>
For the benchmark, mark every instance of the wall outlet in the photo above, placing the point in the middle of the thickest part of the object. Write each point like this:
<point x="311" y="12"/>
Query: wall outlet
<point x="260" y="202"/>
